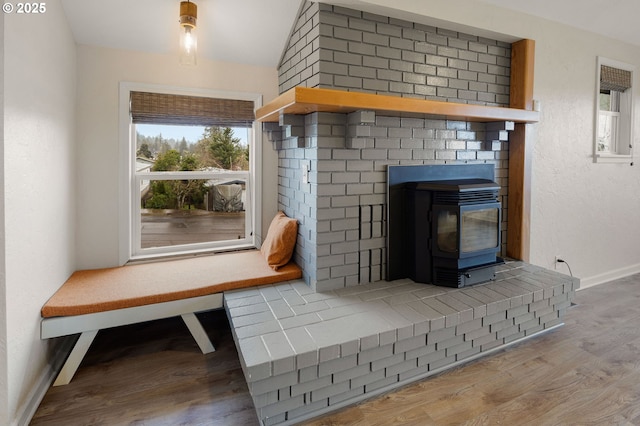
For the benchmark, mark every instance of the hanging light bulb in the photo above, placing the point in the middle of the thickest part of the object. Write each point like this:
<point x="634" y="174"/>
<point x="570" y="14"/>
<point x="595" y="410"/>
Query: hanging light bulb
<point x="188" y="38"/>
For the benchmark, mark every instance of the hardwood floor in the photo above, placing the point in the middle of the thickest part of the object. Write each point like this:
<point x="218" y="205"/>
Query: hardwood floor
<point x="586" y="372"/>
<point x="154" y="374"/>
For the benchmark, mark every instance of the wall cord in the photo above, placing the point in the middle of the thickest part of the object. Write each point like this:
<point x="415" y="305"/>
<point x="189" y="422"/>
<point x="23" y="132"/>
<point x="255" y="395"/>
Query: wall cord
<point x="569" y="267"/>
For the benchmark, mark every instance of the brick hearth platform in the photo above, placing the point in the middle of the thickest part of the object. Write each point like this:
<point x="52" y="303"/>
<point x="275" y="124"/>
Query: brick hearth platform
<point x="305" y="353"/>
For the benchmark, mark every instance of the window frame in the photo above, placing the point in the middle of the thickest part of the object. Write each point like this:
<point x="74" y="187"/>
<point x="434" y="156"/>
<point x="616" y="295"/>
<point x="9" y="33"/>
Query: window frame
<point x="621" y="149"/>
<point x="129" y="193"/>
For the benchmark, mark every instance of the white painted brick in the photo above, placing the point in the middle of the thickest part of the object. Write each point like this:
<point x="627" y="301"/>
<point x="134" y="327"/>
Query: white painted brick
<point x="410" y="344"/>
<point x="441" y="335"/>
<point x="307" y="374"/>
<point x="454" y="350"/>
<point x="274" y="420"/>
<point x="381" y="383"/>
<point x="484" y="340"/>
<point x="409" y="374"/>
<point x="468" y="326"/>
<point x="431" y="357"/>
<point x="281" y="406"/>
<point x="304" y="315"/>
<point x="453" y="341"/>
<point x="543" y="311"/>
<point x="337" y="365"/>
<point x="494" y="318"/>
<point x="257" y="329"/>
<point x="442" y="362"/>
<point x="508" y="331"/>
<point x="302" y="388"/>
<point x="330" y="352"/>
<point x="307" y="408"/>
<point x="472" y="335"/>
<point x="367" y="356"/>
<point x="551" y="316"/>
<point x="272" y="383"/>
<point x="387" y="362"/>
<point x="332" y="390"/>
<point x="401" y="367"/>
<point x="414" y="362"/>
<point x="388" y="337"/>
<point x="351" y="373"/>
<point x="500" y="325"/>
<point x="369" y="342"/>
<point x="523" y="319"/>
<point x="265" y="399"/>
<point x="468" y="353"/>
<point x="353" y="393"/>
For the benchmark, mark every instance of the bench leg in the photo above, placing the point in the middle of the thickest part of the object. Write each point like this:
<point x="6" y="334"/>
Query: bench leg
<point x="75" y="358"/>
<point x="198" y="333"/>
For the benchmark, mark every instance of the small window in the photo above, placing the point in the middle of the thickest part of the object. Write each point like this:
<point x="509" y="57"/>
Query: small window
<point x="614" y="111"/>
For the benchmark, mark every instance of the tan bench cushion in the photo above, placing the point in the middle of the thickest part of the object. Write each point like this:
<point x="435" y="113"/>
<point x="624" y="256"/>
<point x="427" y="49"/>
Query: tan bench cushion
<point x="99" y="290"/>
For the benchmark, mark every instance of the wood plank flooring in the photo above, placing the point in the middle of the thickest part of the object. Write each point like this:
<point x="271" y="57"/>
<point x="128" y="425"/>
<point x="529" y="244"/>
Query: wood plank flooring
<point x="586" y="372"/>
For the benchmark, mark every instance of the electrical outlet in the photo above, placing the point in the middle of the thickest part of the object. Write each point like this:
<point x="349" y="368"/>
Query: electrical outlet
<point x="305" y="173"/>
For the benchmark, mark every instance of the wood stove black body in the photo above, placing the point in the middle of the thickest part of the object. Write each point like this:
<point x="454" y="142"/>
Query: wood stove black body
<point x="444" y="231"/>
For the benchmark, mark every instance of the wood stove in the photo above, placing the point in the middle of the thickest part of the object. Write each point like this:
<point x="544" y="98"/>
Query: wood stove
<point x="456" y="230"/>
<point x="445" y="231"/>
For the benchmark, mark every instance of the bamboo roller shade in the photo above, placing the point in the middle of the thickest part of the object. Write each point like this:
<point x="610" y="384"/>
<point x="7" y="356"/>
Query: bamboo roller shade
<point x="162" y="108"/>
<point x="614" y="78"/>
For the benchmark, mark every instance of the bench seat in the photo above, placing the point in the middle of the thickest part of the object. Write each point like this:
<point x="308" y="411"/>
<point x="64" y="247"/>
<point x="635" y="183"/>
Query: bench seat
<point x="91" y="300"/>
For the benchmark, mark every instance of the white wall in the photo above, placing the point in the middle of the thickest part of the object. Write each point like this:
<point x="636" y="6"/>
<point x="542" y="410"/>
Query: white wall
<point x="584" y="212"/>
<point x="100" y="72"/>
<point x="4" y="372"/>
<point x="39" y="194"/>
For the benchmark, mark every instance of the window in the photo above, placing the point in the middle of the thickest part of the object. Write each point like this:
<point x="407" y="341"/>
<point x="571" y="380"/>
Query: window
<point x="614" y="111"/>
<point x="188" y="171"/>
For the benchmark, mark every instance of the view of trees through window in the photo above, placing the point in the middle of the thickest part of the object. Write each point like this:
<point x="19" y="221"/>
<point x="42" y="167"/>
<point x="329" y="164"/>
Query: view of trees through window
<point x="177" y="208"/>
<point x="217" y="149"/>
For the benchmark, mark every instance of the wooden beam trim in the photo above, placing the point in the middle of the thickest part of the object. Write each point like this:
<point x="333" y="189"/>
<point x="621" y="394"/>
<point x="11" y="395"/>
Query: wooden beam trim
<point x="522" y="69"/>
<point x="519" y="197"/>
<point x="305" y="100"/>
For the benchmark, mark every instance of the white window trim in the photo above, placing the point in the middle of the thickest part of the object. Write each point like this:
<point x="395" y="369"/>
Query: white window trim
<point x="624" y="139"/>
<point x="126" y="169"/>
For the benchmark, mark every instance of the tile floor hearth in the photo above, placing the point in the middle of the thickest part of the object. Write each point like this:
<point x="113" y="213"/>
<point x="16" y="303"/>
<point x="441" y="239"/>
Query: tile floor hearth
<point x="305" y="353"/>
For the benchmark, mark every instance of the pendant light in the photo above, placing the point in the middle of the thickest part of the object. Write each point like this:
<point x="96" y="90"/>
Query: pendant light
<point x="188" y="38"/>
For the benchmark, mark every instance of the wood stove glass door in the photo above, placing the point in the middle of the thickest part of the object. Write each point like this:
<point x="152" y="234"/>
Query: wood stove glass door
<point x="447" y="231"/>
<point x="480" y="229"/>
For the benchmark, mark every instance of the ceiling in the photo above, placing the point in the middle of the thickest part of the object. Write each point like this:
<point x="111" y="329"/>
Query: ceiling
<point x="255" y="31"/>
<point x="242" y="31"/>
<point x="617" y="19"/>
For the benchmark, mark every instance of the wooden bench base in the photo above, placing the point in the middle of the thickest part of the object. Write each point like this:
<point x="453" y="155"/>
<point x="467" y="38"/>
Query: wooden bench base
<point x="88" y="326"/>
<point x="91" y="300"/>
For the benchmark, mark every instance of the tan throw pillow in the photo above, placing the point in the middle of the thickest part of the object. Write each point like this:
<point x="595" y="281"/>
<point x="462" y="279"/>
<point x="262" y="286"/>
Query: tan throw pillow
<point x="280" y="242"/>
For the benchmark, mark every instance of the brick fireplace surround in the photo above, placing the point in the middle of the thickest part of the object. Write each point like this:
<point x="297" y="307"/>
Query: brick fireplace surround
<point x="343" y="334"/>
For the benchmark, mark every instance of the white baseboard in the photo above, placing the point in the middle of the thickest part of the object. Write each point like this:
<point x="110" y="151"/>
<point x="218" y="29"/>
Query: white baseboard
<point x="609" y="276"/>
<point x="28" y="409"/>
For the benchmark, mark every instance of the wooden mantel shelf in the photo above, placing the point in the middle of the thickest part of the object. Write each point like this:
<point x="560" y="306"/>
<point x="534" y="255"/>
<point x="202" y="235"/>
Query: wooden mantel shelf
<point x="305" y="100"/>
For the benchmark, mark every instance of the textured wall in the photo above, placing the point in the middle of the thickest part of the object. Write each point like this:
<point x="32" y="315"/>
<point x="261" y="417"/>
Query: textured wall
<point x="39" y="200"/>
